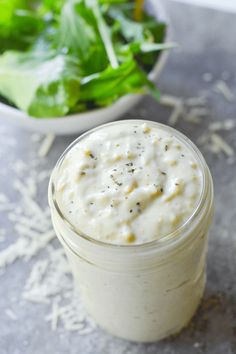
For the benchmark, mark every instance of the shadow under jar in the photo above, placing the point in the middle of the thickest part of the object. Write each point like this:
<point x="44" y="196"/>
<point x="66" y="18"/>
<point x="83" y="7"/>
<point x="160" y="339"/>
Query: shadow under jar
<point x="142" y="292"/>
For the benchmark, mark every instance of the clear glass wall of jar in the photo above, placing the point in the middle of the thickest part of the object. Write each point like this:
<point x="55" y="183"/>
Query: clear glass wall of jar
<point x="142" y="292"/>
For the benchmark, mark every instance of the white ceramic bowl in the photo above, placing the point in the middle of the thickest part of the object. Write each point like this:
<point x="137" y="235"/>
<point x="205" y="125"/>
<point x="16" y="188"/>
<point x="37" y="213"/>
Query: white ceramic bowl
<point x="79" y="122"/>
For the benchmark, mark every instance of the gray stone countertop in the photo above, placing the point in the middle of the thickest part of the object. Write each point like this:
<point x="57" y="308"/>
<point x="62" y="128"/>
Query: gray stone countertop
<point x="207" y="44"/>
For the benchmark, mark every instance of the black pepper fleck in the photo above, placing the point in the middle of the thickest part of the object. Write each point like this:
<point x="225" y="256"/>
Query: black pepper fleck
<point x="118" y="184"/>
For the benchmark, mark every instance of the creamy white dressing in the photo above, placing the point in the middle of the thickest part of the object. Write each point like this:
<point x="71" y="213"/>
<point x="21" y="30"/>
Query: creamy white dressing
<point x="129" y="183"/>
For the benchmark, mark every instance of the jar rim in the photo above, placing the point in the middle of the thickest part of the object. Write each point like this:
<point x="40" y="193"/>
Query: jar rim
<point x="165" y="240"/>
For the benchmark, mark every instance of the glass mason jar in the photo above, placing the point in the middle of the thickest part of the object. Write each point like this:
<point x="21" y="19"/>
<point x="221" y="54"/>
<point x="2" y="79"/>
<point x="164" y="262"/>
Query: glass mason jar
<point x="142" y="292"/>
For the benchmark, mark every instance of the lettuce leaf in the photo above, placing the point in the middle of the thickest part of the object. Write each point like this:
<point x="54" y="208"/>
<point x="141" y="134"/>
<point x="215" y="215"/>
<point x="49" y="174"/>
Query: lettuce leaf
<point x="78" y="34"/>
<point x="18" y="28"/>
<point x="105" y="87"/>
<point x="42" y="85"/>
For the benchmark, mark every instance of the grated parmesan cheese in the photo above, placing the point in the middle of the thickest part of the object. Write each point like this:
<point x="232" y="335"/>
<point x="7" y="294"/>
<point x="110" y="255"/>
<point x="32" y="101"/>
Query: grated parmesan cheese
<point x="37" y="244"/>
<point x="31" y="186"/>
<point x="195" y="115"/>
<point x="223" y="88"/>
<point x="175" y="114"/>
<point x="46" y="145"/>
<point x="172" y="101"/>
<point x="54" y="315"/>
<point x="228" y="124"/>
<point x="19" y="167"/>
<point x="35" y="298"/>
<point x="11" y="314"/>
<point x="222" y="145"/>
<point x="198" y="111"/>
<point x="24" y="225"/>
<point x="192" y="119"/>
<point x="13" y="252"/>
<point x="44" y="175"/>
<point x="196" y="101"/>
<point x="203" y="139"/>
<point x="37" y="273"/>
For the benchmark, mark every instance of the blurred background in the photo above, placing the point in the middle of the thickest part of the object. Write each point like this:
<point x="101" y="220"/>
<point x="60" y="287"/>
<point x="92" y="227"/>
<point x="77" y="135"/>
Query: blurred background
<point x="227" y="5"/>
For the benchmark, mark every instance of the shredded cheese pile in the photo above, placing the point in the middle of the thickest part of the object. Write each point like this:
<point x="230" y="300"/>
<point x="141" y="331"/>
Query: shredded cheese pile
<point x="49" y="280"/>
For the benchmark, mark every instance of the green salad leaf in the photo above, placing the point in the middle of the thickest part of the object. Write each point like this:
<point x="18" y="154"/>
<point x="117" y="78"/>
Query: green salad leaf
<point x="105" y="87"/>
<point x="79" y="36"/>
<point x="19" y="24"/>
<point x="77" y="29"/>
<point x="42" y="85"/>
<point x="63" y="56"/>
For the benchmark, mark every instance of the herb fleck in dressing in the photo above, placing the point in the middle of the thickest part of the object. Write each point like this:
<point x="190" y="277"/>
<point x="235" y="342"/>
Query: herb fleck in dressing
<point x="130" y="184"/>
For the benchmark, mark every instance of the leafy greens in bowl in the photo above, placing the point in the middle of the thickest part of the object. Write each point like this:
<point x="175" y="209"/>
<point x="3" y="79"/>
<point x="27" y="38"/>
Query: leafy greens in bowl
<point x="62" y="57"/>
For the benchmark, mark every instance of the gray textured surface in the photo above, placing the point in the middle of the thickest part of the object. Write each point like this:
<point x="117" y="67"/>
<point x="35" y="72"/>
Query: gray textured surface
<point x="207" y="44"/>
